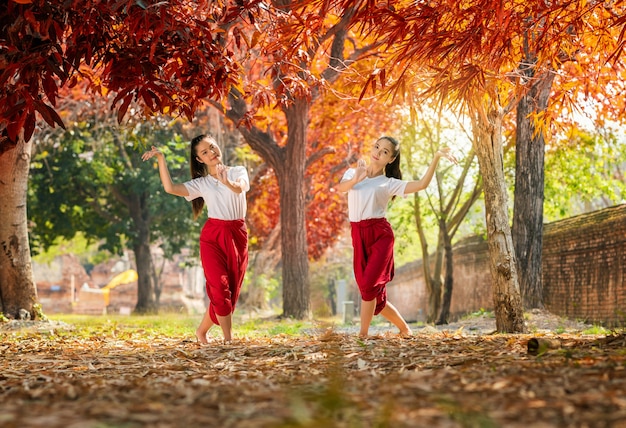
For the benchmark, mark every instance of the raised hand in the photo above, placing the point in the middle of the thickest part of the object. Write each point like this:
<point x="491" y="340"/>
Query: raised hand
<point x="446" y="152"/>
<point x="151" y="153"/>
<point x="361" y="170"/>
<point x="221" y="173"/>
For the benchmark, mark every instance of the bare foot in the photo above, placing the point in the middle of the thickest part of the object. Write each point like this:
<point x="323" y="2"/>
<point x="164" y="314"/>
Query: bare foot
<point x="405" y="333"/>
<point x="202" y="340"/>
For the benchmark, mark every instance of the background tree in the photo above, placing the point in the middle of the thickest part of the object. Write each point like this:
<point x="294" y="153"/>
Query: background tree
<point x="291" y="68"/>
<point x="585" y="172"/>
<point x="456" y="190"/>
<point x="167" y="56"/>
<point x="586" y="44"/>
<point x="468" y="50"/>
<point x="91" y="179"/>
<point x="527" y="227"/>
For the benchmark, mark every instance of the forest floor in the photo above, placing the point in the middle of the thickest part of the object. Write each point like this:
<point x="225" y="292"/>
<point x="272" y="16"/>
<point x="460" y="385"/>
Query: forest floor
<point x="459" y="375"/>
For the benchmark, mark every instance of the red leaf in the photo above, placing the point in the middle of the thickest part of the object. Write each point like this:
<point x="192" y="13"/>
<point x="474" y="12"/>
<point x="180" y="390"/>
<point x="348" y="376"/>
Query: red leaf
<point x="365" y="85"/>
<point x="124" y="107"/>
<point x="29" y="126"/>
<point x="44" y="112"/>
<point x="14" y="127"/>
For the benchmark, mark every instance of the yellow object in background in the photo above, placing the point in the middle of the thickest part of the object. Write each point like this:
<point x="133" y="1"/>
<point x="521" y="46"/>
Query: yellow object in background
<point x="123" y="278"/>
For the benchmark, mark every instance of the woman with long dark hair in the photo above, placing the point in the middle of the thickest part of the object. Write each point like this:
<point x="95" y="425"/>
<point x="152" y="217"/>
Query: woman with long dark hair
<point x="224" y="237"/>
<point x="370" y="188"/>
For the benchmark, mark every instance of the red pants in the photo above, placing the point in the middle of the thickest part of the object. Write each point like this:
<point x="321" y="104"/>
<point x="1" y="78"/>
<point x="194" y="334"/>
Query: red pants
<point x="372" y="240"/>
<point x="224" y="254"/>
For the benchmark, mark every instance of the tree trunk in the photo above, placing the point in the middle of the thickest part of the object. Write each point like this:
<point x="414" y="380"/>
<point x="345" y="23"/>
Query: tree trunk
<point x="291" y="180"/>
<point x="146" y="301"/>
<point x="18" y="294"/>
<point x="506" y="296"/>
<point x="433" y="281"/>
<point x="448" y="281"/>
<point x="289" y="164"/>
<point x="527" y="229"/>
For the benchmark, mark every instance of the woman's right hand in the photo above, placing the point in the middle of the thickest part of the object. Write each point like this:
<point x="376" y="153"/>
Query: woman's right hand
<point x="360" y="171"/>
<point x="151" y="153"/>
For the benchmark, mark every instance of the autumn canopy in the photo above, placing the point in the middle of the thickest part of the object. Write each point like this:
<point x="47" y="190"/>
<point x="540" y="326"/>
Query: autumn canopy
<point x="167" y="56"/>
<point x="281" y="57"/>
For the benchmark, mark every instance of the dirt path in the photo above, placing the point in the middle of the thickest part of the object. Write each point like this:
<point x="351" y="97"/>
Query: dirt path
<point x="537" y="321"/>
<point x="328" y="379"/>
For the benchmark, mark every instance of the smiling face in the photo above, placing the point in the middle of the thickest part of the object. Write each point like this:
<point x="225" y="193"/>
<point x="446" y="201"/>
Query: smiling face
<point x="383" y="152"/>
<point x="208" y="153"/>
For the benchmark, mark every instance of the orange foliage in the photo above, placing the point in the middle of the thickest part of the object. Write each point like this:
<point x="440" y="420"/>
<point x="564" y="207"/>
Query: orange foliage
<point x="293" y="58"/>
<point x="473" y="48"/>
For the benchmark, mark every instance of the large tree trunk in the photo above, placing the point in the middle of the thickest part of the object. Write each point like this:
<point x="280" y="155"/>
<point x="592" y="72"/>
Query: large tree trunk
<point x="146" y="301"/>
<point x="527" y="226"/>
<point x="289" y="164"/>
<point x="17" y="286"/>
<point x="506" y="295"/>
<point x="291" y="179"/>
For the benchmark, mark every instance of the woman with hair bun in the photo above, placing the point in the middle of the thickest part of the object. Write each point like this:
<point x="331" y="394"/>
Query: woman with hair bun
<point x="224" y="237"/>
<point x="370" y="188"/>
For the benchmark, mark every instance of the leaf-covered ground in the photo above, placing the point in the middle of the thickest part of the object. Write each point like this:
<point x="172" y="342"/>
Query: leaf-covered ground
<point x="326" y="378"/>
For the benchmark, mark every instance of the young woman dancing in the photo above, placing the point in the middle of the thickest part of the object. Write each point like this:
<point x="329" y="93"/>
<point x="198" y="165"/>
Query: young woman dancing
<point x="224" y="237"/>
<point x="370" y="188"/>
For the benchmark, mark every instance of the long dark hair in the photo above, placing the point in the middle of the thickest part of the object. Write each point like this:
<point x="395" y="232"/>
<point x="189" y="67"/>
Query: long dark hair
<point x="393" y="169"/>
<point x="198" y="169"/>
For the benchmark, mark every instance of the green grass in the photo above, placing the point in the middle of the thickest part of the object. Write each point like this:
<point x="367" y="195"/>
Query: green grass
<point x="479" y="313"/>
<point x="168" y="325"/>
<point x="597" y="329"/>
<point x="177" y="325"/>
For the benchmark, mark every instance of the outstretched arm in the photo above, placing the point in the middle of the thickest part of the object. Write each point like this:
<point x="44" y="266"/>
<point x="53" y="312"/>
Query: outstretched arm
<point x="169" y="186"/>
<point x="416" y="186"/>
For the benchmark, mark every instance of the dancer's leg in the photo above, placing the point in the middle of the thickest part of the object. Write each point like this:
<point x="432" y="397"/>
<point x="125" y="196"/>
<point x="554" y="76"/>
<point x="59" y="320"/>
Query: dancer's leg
<point x="393" y="315"/>
<point x="367" y="314"/>
<point x="226" y="323"/>
<point x="204" y="327"/>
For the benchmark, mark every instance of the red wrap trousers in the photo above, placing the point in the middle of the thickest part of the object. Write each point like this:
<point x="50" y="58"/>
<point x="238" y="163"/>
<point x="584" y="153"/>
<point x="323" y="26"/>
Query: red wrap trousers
<point x="224" y="254"/>
<point x="372" y="240"/>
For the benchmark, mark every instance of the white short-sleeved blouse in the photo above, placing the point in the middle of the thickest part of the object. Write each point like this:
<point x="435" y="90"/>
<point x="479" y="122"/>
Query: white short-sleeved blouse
<point x="370" y="197"/>
<point x="221" y="202"/>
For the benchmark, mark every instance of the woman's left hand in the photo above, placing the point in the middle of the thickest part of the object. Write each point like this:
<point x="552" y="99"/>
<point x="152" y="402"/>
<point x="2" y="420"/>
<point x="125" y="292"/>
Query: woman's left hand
<point x="445" y="152"/>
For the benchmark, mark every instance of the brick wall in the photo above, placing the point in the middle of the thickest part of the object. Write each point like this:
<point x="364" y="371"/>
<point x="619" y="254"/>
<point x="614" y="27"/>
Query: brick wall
<point x="584" y="272"/>
<point x="61" y="287"/>
<point x="584" y="267"/>
<point x="58" y="283"/>
<point x="471" y="290"/>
